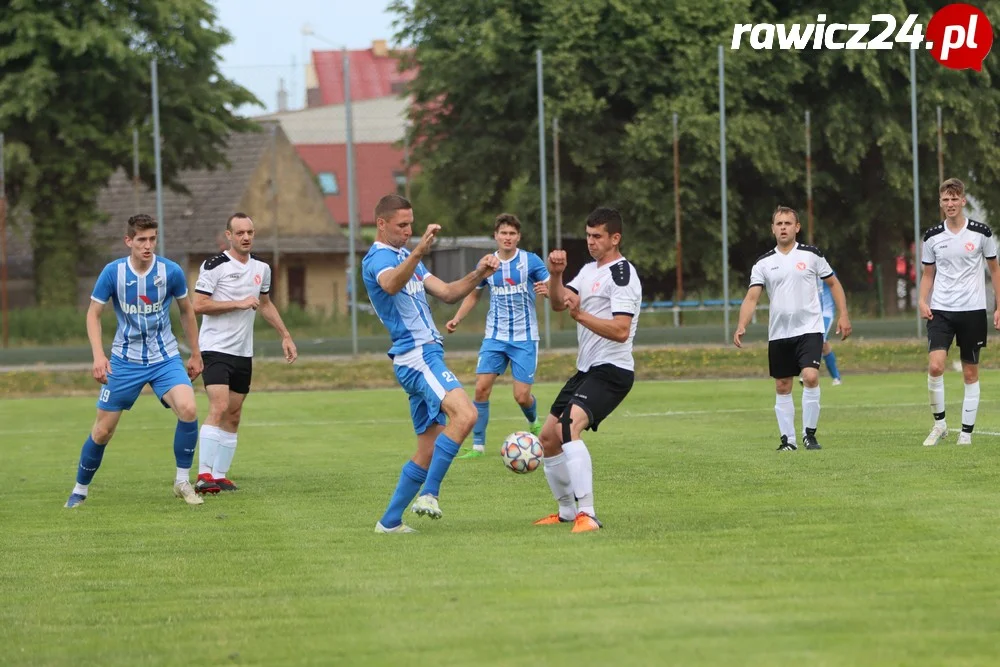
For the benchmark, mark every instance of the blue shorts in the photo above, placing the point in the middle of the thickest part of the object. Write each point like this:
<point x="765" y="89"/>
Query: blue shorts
<point x="126" y="381"/>
<point x="522" y="355"/>
<point x="827" y="321"/>
<point x="422" y="373"/>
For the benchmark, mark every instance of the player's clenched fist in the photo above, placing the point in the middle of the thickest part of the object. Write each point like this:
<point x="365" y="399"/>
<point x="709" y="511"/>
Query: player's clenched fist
<point x="557" y="262"/>
<point x="488" y="265"/>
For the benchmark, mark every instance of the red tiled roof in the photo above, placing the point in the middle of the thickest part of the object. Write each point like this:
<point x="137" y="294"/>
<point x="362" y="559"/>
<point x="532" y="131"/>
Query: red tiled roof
<point x="371" y="75"/>
<point x="375" y="166"/>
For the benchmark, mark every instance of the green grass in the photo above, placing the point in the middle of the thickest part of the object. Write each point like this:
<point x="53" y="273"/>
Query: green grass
<point x="717" y="550"/>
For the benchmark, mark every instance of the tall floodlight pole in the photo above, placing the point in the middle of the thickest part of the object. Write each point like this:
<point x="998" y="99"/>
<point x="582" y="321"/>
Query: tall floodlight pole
<point x="541" y="171"/>
<point x="161" y="232"/>
<point x="3" y="247"/>
<point x="679" y="294"/>
<point x="352" y="203"/>
<point x="725" y="208"/>
<point x="916" y="173"/>
<point x="555" y="172"/>
<point x="809" y="181"/>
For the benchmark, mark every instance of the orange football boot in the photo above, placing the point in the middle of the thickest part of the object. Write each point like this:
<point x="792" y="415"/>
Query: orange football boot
<point x="585" y="523"/>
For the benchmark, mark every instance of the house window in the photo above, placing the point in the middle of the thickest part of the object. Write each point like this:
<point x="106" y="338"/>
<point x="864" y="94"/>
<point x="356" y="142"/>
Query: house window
<point x="328" y="183"/>
<point x="397" y="87"/>
<point x="400" y="178"/>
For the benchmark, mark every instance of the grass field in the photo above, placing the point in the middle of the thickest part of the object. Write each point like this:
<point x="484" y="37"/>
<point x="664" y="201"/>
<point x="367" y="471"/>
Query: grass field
<point x="717" y="550"/>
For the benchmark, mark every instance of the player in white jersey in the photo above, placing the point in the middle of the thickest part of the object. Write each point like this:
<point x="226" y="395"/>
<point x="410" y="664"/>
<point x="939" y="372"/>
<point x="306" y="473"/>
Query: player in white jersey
<point x="955" y="255"/>
<point x="398" y="284"/>
<point x="511" y="334"/>
<point x="140" y="287"/>
<point x="604" y="300"/>
<point x="795" y="322"/>
<point x="232" y="287"/>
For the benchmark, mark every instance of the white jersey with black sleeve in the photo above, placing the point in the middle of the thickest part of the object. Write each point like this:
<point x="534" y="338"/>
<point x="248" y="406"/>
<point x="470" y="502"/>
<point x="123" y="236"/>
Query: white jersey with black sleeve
<point x="790" y="281"/>
<point x="959" y="262"/>
<point x="225" y="278"/>
<point x="606" y="291"/>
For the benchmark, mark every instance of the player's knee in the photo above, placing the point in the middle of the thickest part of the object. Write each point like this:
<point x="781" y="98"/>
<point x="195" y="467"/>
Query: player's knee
<point x="970" y="373"/>
<point x="465" y="418"/>
<point x="935" y="368"/>
<point x="826" y="348"/>
<point x="523" y="396"/>
<point x="102" y="433"/>
<point x="187" y="412"/>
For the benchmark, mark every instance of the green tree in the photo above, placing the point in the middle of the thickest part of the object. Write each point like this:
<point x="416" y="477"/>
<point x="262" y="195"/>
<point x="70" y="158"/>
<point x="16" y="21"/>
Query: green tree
<point x="75" y="81"/>
<point x="616" y="72"/>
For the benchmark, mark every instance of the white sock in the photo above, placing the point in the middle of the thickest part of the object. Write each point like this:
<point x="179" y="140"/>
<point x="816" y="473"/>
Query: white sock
<point x="80" y="489"/>
<point x="935" y="388"/>
<point x="581" y="473"/>
<point x="810" y="407"/>
<point x="784" y="408"/>
<point x="557" y="475"/>
<point x="208" y="445"/>
<point x="224" y="455"/>
<point x="970" y="406"/>
<point x="183" y="475"/>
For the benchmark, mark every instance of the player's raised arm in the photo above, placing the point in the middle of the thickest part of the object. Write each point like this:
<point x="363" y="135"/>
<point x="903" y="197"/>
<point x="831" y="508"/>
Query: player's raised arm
<point x="747" y="309"/>
<point x="393" y="280"/>
<point x="557" y="291"/>
<point x="457" y="289"/>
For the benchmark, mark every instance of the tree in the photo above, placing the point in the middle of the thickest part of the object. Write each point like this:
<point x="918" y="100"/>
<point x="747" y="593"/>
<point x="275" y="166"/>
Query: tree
<point x="75" y="81"/>
<point x="616" y="72"/>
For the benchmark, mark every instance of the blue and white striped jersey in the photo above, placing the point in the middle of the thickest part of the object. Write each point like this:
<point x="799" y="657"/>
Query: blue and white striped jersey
<point x="406" y="313"/>
<point x="142" y="306"/>
<point x="826" y="300"/>
<point x="512" y="315"/>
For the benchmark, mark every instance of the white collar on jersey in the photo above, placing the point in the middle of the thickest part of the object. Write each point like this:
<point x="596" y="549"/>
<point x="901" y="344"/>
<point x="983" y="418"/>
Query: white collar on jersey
<point x="517" y="253"/>
<point x="232" y="257"/>
<point x="145" y="273"/>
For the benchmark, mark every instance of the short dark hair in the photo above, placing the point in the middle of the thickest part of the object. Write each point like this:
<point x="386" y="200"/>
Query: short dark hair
<point x="609" y="217"/>
<point x="784" y="209"/>
<point x="508" y="219"/>
<point x="235" y="216"/>
<point x="389" y="204"/>
<point x="139" y="222"/>
<point x="953" y="186"/>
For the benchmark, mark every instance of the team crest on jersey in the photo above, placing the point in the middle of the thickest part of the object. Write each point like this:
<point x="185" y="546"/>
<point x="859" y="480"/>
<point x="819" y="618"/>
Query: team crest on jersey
<point x="509" y="281"/>
<point x="256" y="279"/>
<point x="158" y="281"/>
<point x="596" y="286"/>
<point x="970" y="246"/>
<point x="801" y="266"/>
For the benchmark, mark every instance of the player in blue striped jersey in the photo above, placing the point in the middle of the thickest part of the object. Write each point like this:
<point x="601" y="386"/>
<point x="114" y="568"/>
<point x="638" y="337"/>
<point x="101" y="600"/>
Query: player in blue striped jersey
<point x="140" y="287"/>
<point x="398" y="283"/>
<point x="511" y="334"/>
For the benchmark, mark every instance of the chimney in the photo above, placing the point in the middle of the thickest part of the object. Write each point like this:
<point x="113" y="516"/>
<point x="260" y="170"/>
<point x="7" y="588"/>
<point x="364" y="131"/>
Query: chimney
<point x="380" y="49"/>
<point x="282" y="95"/>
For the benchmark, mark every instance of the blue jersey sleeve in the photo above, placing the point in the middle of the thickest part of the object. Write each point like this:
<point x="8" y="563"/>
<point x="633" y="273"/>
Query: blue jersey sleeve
<point x="176" y="282"/>
<point x="376" y="263"/>
<point x="104" y="288"/>
<point x="536" y="269"/>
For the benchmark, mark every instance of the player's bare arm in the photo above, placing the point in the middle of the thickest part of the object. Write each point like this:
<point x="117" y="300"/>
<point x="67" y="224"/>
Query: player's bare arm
<point x="542" y="289"/>
<point x="468" y="303"/>
<point x="271" y="315"/>
<point x="458" y="289"/>
<point x="204" y="304"/>
<point x="994" y="268"/>
<point x="190" y="325"/>
<point x="101" y="367"/>
<point x="557" y="291"/>
<point x="393" y="280"/>
<point x="616" y="329"/>
<point x="844" y="327"/>
<point x="747" y="309"/>
<point x="926" y="284"/>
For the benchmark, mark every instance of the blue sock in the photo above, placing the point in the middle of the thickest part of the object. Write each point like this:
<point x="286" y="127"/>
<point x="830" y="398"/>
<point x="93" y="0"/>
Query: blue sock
<point x="531" y="414"/>
<point x="409" y="483"/>
<point x="831" y="364"/>
<point x="185" y="440"/>
<point x="444" y="451"/>
<point x="90" y="460"/>
<point x="479" y="430"/>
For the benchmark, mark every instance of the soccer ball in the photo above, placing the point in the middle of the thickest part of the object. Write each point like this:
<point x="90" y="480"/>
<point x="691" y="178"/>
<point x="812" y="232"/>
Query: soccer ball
<point x="521" y="452"/>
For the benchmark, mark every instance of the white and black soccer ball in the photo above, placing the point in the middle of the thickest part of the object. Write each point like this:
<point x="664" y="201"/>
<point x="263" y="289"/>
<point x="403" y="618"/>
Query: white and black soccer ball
<point x="521" y="452"/>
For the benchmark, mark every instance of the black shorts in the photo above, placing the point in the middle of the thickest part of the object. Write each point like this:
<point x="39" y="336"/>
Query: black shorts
<point x="786" y="357"/>
<point x="966" y="327"/>
<point x="598" y="391"/>
<point x="228" y="369"/>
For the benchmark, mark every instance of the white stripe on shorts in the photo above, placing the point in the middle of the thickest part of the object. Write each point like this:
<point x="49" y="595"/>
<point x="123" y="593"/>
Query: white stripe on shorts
<point x="415" y="359"/>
